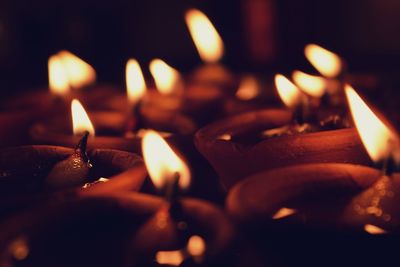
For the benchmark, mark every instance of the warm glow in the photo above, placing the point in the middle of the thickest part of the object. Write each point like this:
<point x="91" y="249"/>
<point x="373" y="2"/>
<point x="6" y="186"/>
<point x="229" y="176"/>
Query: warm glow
<point x="80" y="73"/>
<point x="162" y="163"/>
<point x="167" y="79"/>
<point x="196" y="246"/>
<point x="135" y="84"/>
<point x="374" y="230"/>
<point x="248" y="88"/>
<point x="205" y="37"/>
<point x="380" y="142"/>
<point x="174" y="257"/>
<point x="287" y="91"/>
<point x="327" y="63"/>
<point x="58" y="80"/>
<point x="310" y="84"/>
<point x="80" y="119"/>
<point x="282" y="213"/>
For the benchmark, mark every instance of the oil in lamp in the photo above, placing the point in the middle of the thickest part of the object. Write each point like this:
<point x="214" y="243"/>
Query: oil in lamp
<point x="210" y="47"/>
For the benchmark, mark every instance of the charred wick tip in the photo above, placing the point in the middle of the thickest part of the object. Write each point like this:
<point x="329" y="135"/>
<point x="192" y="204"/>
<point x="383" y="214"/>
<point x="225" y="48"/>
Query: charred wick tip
<point x="82" y="146"/>
<point x="388" y="166"/>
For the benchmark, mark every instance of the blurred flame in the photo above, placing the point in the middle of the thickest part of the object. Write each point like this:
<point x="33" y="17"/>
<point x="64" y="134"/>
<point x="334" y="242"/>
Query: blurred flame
<point x="58" y="80"/>
<point x="167" y="79"/>
<point x="312" y="85"/>
<point x="287" y="91"/>
<point x="80" y="73"/>
<point x="380" y="142"/>
<point x="205" y="37"/>
<point x="248" y="88"/>
<point x="283" y="212"/>
<point x="327" y="63"/>
<point x="135" y="84"/>
<point x="374" y="230"/>
<point x="80" y="119"/>
<point x="196" y="246"/>
<point x="162" y="163"/>
<point x="174" y="257"/>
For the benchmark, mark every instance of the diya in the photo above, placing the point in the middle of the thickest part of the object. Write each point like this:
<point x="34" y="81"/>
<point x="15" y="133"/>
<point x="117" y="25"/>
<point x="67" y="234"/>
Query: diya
<point x="210" y="47"/>
<point x="111" y="128"/>
<point x="37" y="174"/>
<point x="352" y="209"/>
<point x="171" y="229"/>
<point x="271" y="138"/>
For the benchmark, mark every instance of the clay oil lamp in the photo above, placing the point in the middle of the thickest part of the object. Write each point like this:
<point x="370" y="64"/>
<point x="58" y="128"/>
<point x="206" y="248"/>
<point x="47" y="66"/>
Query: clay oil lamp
<point x="117" y="130"/>
<point x="174" y="93"/>
<point x="32" y="174"/>
<point x="210" y="47"/>
<point x="167" y="237"/>
<point x="351" y="209"/>
<point x="271" y="138"/>
<point x="79" y="232"/>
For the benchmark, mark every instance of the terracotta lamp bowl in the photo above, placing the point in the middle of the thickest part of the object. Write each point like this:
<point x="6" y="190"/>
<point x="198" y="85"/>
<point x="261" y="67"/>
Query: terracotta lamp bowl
<point x="318" y="227"/>
<point x="97" y="231"/>
<point x="234" y="159"/>
<point x="24" y="169"/>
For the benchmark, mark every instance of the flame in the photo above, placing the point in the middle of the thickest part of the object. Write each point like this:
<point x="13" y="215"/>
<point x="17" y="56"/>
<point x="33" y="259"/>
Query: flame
<point x="174" y="257"/>
<point x="205" y="37"/>
<point x="374" y="230"/>
<point x="310" y="84"/>
<point x="58" y="80"/>
<point x="283" y="212"/>
<point x="80" y="119"/>
<point x="162" y="163"/>
<point x="327" y="63"/>
<point x="196" y="246"/>
<point x="380" y="142"/>
<point x="287" y="91"/>
<point x="135" y="84"/>
<point x="248" y="88"/>
<point x="167" y="79"/>
<point x="80" y="73"/>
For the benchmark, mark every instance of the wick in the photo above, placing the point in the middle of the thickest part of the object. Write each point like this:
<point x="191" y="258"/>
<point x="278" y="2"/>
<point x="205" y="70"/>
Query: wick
<point x="82" y="146"/>
<point x="172" y="188"/>
<point x="135" y="121"/>
<point x="388" y="166"/>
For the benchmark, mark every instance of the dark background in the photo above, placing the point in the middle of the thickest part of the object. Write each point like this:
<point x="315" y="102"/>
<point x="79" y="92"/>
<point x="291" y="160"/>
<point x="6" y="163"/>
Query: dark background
<point x="107" y="33"/>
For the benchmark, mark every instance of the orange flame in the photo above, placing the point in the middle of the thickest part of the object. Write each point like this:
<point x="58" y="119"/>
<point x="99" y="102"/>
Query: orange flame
<point x="374" y="230"/>
<point x="380" y="142"/>
<point x="80" y="119"/>
<point x="162" y="163"/>
<point x="196" y="246"/>
<point x="326" y="62"/>
<point x="135" y="84"/>
<point x="248" y="88"/>
<point x="283" y="212"/>
<point x="80" y="73"/>
<point x="287" y="91"/>
<point x="58" y="80"/>
<point x="310" y="84"/>
<point x="167" y="79"/>
<point x="174" y="257"/>
<point x="205" y="37"/>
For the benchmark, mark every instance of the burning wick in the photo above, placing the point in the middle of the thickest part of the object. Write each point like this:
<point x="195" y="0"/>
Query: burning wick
<point x="167" y="171"/>
<point x="378" y="203"/>
<point x="293" y="98"/>
<point x="136" y="89"/>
